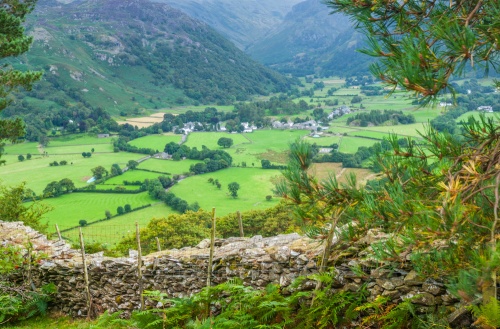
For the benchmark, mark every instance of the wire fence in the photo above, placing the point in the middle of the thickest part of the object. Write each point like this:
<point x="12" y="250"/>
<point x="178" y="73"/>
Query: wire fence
<point x="169" y="270"/>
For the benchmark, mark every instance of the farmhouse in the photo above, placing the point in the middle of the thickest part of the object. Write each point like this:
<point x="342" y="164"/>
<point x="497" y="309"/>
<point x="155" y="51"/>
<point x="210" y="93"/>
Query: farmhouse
<point x="339" y="112"/>
<point x="487" y="109"/>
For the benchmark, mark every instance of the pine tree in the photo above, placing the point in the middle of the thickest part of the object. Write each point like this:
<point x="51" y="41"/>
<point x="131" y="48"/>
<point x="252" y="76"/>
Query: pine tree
<point x="13" y="42"/>
<point x="421" y="44"/>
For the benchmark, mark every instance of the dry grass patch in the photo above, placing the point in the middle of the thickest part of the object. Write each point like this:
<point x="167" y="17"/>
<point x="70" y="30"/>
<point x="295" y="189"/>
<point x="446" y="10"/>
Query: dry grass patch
<point x="323" y="171"/>
<point x="144" y="122"/>
<point x="274" y="156"/>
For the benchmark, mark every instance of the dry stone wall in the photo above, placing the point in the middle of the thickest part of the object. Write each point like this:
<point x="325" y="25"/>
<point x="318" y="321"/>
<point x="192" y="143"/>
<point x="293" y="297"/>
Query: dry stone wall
<point x="258" y="261"/>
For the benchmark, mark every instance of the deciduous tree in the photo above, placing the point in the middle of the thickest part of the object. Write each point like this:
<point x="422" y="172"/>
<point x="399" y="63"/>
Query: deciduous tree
<point x="225" y="142"/>
<point x="233" y="189"/>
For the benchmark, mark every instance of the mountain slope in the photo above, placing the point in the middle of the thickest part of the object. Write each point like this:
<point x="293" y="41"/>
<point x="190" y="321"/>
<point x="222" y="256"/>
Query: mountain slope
<point x="131" y="54"/>
<point x="243" y="22"/>
<point x="310" y="40"/>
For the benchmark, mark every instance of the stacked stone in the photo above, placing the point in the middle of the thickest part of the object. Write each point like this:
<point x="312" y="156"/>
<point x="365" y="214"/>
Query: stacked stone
<point x="257" y="261"/>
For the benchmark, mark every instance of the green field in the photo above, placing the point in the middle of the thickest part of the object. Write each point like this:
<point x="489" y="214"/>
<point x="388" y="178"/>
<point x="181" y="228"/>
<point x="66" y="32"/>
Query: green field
<point x="111" y="231"/>
<point x="131" y="176"/>
<point x="477" y="114"/>
<point x="79" y="139"/>
<point x="113" y="186"/>
<point x="271" y="145"/>
<point x="22" y="148"/>
<point x="368" y="134"/>
<point x="209" y="139"/>
<point x="168" y="166"/>
<point x="155" y="142"/>
<point x="68" y="209"/>
<point x="351" y="144"/>
<point x="37" y="172"/>
<point x="78" y="149"/>
<point x="255" y="184"/>
<point x="325" y="141"/>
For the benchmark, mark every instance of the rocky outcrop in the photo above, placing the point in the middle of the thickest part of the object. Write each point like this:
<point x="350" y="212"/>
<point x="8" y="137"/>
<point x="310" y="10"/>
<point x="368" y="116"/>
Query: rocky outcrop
<point x="258" y="261"/>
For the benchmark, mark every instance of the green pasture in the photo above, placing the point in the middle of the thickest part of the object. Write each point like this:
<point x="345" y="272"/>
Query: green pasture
<point x="255" y="184"/>
<point x="69" y="209"/>
<point x="209" y="139"/>
<point x="424" y="115"/>
<point x="476" y="114"/>
<point x="410" y="130"/>
<point x="351" y="144"/>
<point x="131" y="176"/>
<point x="22" y="148"/>
<point x="78" y="149"/>
<point x="111" y="231"/>
<point x="368" y="134"/>
<point x="341" y="129"/>
<point x="155" y="142"/>
<point x="79" y="139"/>
<point x="323" y="140"/>
<point x="271" y="145"/>
<point x="168" y="166"/>
<point x="108" y="186"/>
<point x="37" y="172"/>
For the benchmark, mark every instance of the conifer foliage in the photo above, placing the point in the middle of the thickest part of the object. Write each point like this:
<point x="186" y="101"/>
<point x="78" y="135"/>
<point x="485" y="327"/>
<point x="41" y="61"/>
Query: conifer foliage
<point x="421" y="44"/>
<point x="13" y="42"/>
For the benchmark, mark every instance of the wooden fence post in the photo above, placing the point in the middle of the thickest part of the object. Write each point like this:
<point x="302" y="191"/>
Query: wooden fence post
<point x="139" y="264"/>
<point x="210" y="260"/>
<point x="240" y="222"/>
<point x="158" y="244"/>
<point x="58" y="233"/>
<point x="85" y="275"/>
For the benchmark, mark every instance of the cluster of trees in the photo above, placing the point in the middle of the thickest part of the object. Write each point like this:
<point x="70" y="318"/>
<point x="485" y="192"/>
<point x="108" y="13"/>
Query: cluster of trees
<point x="121" y="144"/>
<point x="86" y="154"/>
<point x="215" y="182"/>
<point x="123" y="210"/>
<point x="212" y="160"/>
<point x="447" y="121"/>
<point x="208" y="119"/>
<point x="54" y="188"/>
<point x="60" y="163"/>
<point x="372" y="90"/>
<point x="276" y="105"/>
<point x="376" y="117"/>
<point x="356" y="160"/>
<point x="157" y="190"/>
<point x="266" y="164"/>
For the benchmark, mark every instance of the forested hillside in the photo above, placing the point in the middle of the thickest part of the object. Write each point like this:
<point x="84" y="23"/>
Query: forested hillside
<point x="134" y="55"/>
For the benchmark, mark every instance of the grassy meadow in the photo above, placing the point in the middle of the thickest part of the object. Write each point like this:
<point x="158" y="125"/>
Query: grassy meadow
<point x="37" y="173"/>
<point x="111" y="231"/>
<point x="255" y="184"/>
<point x="69" y="209"/>
<point x="168" y="167"/>
<point x="155" y="142"/>
<point x="265" y="144"/>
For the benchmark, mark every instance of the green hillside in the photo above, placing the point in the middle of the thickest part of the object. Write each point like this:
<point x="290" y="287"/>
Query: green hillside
<point x="133" y="57"/>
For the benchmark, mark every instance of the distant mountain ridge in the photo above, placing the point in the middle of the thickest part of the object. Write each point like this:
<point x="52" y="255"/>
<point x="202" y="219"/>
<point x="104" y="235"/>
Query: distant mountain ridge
<point x="311" y="40"/>
<point x="130" y="54"/>
<point x="243" y="22"/>
<point x="294" y="36"/>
